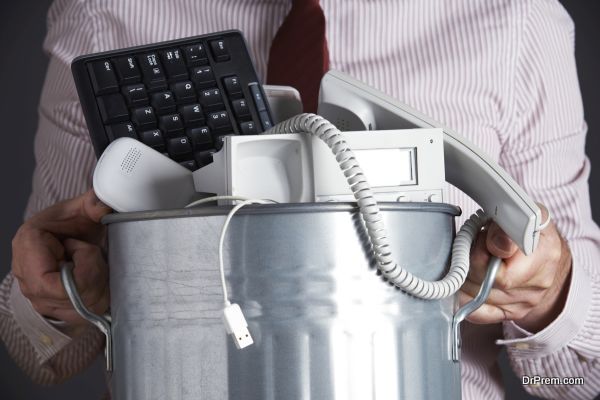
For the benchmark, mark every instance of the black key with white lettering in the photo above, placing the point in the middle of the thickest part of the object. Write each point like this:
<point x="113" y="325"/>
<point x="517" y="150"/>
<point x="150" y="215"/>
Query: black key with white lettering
<point x="154" y="76"/>
<point x="184" y="92"/>
<point x="219" y="121"/>
<point x="265" y="120"/>
<point x="233" y="86"/>
<point x="195" y="54"/>
<point x="201" y="138"/>
<point x="171" y="125"/>
<point x="127" y="70"/>
<point x="248" y="128"/>
<point x="112" y="108"/>
<point x="192" y="114"/>
<point x="163" y="102"/>
<point x="103" y="77"/>
<point x="174" y="64"/>
<point x="153" y="138"/>
<point x="257" y="96"/>
<point x="124" y="129"/>
<point x="219" y="50"/>
<point x="135" y="95"/>
<point x="144" y="118"/>
<point x="211" y="99"/>
<point x="240" y="108"/>
<point x="203" y="77"/>
<point x="179" y="148"/>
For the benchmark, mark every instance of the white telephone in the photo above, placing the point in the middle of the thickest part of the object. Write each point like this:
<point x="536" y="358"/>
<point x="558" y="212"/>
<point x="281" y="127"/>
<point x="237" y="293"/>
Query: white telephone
<point x="351" y="105"/>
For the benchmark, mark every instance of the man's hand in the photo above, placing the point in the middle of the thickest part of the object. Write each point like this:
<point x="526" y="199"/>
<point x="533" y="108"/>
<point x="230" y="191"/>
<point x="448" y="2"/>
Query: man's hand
<point x="69" y="230"/>
<point x="529" y="290"/>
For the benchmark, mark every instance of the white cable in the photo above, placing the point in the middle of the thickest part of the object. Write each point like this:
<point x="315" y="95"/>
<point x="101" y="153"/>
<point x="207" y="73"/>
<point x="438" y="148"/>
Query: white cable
<point x="214" y="198"/>
<point x="222" y="239"/>
<point x="546" y="223"/>
<point x="376" y="231"/>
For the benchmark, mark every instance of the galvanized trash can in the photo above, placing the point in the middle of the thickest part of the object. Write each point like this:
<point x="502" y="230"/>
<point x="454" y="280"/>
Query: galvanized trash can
<point x="325" y="324"/>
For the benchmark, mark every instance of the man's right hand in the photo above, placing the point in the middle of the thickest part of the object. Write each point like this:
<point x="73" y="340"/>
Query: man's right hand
<point x="69" y="230"/>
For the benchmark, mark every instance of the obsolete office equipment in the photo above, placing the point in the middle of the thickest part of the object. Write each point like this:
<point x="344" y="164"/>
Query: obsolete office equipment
<point x="324" y="325"/>
<point x="131" y="176"/>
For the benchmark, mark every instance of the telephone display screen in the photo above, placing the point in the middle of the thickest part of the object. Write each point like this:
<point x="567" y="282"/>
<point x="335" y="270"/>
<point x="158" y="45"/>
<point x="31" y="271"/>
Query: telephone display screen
<point x="388" y="167"/>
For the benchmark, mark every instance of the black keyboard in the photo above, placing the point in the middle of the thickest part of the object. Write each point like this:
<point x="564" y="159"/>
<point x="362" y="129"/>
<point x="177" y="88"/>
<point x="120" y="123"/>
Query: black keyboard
<point x="179" y="97"/>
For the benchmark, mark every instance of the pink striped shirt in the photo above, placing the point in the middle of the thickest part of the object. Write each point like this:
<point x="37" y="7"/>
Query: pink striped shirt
<point x="502" y="73"/>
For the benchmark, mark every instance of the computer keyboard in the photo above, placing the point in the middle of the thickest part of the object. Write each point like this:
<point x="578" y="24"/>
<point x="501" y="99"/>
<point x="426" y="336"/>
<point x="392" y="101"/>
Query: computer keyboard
<point x="179" y="97"/>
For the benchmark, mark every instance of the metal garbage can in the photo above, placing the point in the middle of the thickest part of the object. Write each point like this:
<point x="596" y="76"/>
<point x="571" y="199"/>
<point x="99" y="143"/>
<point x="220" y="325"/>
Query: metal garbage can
<point x="325" y="323"/>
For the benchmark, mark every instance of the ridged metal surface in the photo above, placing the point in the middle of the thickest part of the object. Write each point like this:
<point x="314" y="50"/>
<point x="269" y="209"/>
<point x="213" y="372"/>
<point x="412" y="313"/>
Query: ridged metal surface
<point x="325" y="325"/>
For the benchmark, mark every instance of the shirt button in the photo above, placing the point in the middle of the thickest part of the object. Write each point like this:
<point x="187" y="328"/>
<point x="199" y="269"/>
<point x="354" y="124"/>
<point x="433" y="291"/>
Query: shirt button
<point x="45" y="339"/>
<point x="522" y="346"/>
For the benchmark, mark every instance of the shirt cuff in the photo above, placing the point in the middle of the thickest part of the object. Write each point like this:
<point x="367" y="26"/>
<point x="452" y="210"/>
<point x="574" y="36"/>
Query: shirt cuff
<point x="45" y="339"/>
<point x="524" y="344"/>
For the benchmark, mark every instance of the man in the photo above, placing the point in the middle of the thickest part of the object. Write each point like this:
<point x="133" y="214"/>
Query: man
<point x="500" y="73"/>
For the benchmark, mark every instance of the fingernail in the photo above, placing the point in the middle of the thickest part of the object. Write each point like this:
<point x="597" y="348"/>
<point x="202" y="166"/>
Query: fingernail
<point x="502" y="242"/>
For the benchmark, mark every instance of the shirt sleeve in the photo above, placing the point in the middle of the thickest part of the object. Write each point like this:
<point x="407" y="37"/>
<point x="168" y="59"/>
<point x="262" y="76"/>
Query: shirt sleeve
<point x="64" y="163"/>
<point x="545" y="152"/>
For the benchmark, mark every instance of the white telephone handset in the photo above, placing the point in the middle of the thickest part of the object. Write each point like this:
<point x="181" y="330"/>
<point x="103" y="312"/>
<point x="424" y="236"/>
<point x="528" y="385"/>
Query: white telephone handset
<point x="354" y="106"/>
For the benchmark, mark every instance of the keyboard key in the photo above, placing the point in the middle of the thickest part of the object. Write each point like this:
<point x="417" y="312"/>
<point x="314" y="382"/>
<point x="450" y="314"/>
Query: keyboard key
<point x="219" y="50"/>
<point x="153" y="138"/>
<point x="189" y="164"/>
<point x="103" y="77"/>
<point x="195" y="54"/>
<point x="144" y="118"/>
<point x="220" y="139"/>
<point x="265" y="120"/>
<point x="257" y="96"/>
<point x="248" y="128"/>
<point x="184" y="92"/>
<point x="192" y="114"/>
<point x="127" y="70"/>
<point x="219" y="121"/>
<point x="174" y="65"/>
<point x="135" y="95"/>
<point x="201" y="138"/>
<point x="233" y="86"/>
<point x="203" y="76"/>
<point x="203" y="158"/>
<point x="211" y="98"/>
<point x="112" y="108"/>
<point x="171" y="125"/>
<point x="152" y="71"/>
<point x="121" y="130"/>
<point x="163" y="102"/>
<point x="179" y="148"/>
<point x="240" y="108"/>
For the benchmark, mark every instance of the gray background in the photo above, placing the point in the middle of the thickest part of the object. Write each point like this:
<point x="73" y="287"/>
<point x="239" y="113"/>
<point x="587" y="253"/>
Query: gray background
<point x="22" y="69"/>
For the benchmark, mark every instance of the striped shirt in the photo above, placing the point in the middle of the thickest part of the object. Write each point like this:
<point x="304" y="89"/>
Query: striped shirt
<point x="500" y="72"/>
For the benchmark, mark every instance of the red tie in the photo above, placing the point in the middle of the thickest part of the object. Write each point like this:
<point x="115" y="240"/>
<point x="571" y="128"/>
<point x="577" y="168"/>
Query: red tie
<point x="299" y="55"/>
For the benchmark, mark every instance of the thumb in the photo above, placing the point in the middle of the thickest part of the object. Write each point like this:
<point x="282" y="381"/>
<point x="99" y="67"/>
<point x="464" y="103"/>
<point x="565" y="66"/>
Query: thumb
<point x="92" y="207"/>
<point x="499" y="243"/>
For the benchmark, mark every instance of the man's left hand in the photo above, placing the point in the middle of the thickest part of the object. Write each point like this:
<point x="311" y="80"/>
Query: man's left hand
<point x="529" y="290"/>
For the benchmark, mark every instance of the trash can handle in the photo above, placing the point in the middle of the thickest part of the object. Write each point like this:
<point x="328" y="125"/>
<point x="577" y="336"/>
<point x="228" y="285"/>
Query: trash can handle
<point x="464" y="311"/>
<point x="102" y="323"/>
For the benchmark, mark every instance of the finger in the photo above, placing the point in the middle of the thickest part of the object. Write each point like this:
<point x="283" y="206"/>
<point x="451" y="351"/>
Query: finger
<point x="90" y="271"/>
<point x="486" y="314"/>
<point x="499" y="243"/>
<point x="67" y="312"/>
<point x="34" y="252"/>
<point x="498" y="297"/>
<point x="479" y="259"/>
<point x="78" y="217"/>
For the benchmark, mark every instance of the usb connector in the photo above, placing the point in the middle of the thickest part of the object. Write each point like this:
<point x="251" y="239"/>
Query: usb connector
<point x="236" y="326"/>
